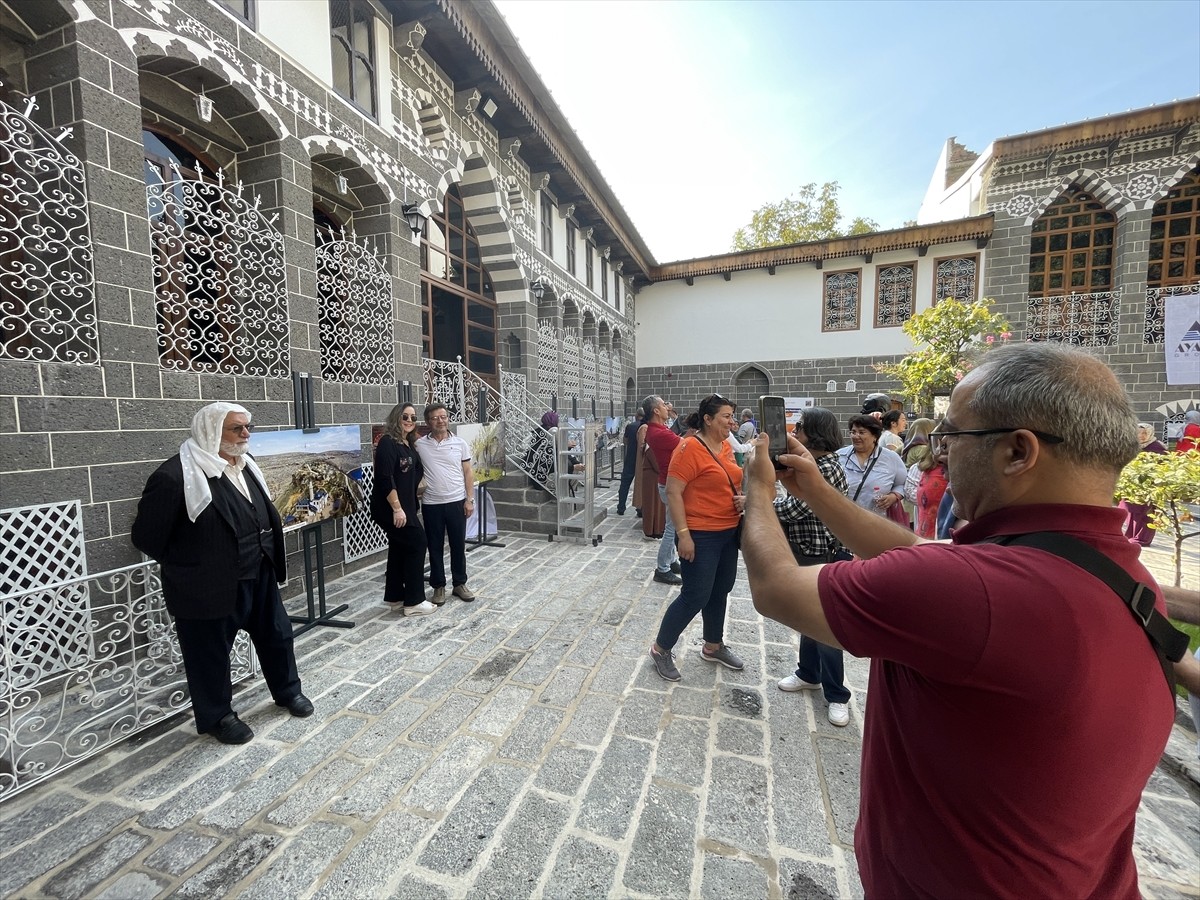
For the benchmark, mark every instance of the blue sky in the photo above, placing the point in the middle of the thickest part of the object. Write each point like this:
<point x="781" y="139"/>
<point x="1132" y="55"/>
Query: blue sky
<point x="699" y="111"/>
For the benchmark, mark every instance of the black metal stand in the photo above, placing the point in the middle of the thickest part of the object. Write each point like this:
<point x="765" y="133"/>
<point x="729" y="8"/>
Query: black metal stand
<point x="314" y="585"/>
<point x="481" y="535"/>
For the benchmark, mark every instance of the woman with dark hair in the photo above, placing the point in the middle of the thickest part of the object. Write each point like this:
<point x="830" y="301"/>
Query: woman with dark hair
<point x="875" y="479"/>
<point x="704" y="493"/>
<point x="894" y="422"/>
<point x="820" y="666"/>
<point x="394" y="504"/>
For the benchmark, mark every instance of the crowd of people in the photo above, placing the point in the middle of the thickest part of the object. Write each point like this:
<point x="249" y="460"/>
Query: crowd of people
<point x="844" y="542"/>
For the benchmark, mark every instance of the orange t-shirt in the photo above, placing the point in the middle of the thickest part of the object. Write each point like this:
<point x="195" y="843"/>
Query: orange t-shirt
<point x="707" y="496"/>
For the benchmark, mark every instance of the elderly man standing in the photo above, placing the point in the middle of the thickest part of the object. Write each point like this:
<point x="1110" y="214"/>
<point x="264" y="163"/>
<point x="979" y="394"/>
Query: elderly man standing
<point x="1017" y="707"/>
<point x="206" y="517"/>
<point x="448" y="501"/>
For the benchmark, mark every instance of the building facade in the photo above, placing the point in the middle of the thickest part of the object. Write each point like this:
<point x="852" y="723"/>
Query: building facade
<point x="206" y="199"/>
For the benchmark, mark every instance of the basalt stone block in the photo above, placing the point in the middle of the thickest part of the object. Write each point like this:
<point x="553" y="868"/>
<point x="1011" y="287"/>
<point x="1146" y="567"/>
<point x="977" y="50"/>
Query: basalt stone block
<point x="84" y="874"/>
<point x="565" y="769"/>
<point x="472" y="823"/>
<point x="660" y="863"/>
<point x="530" y="738"/>
<point x="59" y="843"/>
<point x="723" y="877"/>
<point x="181" y="852"/>
<point x="233" y="864"/>
<point x="590" y="723"/>
<point x="608" y="807"/>
<point x="143" y="758"/>
<point x="452" y="768"/>
<point x="806" y="880"/>
<point x="297" y="868"/>
<point x="516" y="865"/>
<point x="445" y="720"/>
<point x="840" y="762"/>
<point x="736" y="799"/>
<point x="177" y="806"/>
<point x="382" y="782"/>
<point x="67" y="414"/>
<point x="360" y="874"/>
<point x="34" y="820"/>
<point x="502" y="711"/>
<point x="641" y="714"/>
<point x="133" y="886"/>
<point x="681" y="755"/>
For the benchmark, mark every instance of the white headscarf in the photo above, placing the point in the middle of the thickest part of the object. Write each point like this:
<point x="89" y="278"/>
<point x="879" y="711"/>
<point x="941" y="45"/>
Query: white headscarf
<point x="200" y="459"/>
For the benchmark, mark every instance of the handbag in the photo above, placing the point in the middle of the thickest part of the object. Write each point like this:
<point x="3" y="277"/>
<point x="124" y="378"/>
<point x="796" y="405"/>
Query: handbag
<point x="741" y="516"/>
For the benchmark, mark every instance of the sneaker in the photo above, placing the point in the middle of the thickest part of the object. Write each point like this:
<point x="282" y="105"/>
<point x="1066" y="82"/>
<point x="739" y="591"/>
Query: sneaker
<point x="839" y="714"/>
<point x="667" y="577"/>
<point x="676" y="568"/>
<point x="423" y="608"/>
<point x="724" y="656"/>
<point x="795" y="683"/>
<point x="439" y="596"/>
<point x="464" y="593"/>
<point x="664" y="664"/>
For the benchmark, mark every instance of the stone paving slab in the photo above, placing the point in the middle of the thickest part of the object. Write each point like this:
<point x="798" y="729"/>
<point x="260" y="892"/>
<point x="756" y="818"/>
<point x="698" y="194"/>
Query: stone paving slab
<point x="518" y="746"/>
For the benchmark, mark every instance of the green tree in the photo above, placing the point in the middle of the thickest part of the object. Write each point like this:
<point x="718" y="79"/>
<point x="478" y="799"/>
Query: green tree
<point x="949" y="336"/>
<point x="811" y="214"/>
<point x="1168" y="483"/>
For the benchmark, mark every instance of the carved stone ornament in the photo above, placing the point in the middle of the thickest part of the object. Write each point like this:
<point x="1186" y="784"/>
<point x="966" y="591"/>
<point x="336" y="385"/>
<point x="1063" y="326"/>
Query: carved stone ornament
<point x="588" y="232"/>
<point x="568" y="210"/>
<point x="619" y="266"/>
<point x="409" y="38"/>
<point x="1019" y="206"/>
<point x="466" y="102"/>
<point x="1141" y="186"/>
<point x="510" y="147"/>
<point x="606" y="251"/>
<point x="539" y="181"/>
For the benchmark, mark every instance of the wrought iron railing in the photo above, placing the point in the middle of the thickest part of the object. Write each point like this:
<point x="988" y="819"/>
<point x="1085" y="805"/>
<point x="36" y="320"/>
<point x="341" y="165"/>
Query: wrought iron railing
<point x="455" y="385"/>
<point x="1085" y="320"/>
<point x="1156" y="307"/>
<point x="85" y="663"/>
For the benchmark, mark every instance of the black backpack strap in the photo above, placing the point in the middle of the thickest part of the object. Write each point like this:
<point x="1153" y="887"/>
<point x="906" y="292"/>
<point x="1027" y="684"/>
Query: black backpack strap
<point x="1168" y="642"/>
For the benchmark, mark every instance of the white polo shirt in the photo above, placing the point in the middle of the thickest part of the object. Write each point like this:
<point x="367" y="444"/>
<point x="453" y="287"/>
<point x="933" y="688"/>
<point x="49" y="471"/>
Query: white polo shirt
<point x="443" y="468"/>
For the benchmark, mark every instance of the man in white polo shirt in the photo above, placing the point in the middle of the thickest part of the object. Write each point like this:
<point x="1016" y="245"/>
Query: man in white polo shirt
<point x="447" y="503"/>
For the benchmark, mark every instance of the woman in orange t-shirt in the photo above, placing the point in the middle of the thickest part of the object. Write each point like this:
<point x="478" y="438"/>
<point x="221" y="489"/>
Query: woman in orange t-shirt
<point x="704" y="492"/>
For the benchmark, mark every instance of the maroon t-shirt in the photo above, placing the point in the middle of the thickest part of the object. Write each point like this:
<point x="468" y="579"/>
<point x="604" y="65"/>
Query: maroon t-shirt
<point x="662" y="442"/>
<point x="1016" y="712"/>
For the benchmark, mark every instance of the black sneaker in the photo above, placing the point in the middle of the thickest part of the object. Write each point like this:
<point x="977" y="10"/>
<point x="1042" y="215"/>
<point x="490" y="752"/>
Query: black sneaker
<point x="664" y="664"/>
<point x="675" y="567"/>
<point x="667" y="577"/>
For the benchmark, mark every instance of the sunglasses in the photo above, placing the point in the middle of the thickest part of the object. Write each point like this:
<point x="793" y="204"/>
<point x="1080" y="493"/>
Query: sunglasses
<point x="408" y="418"/>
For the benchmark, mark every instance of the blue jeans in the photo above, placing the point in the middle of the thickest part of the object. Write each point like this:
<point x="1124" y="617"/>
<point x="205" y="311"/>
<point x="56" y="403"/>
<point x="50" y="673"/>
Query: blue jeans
<point x="667" y="553"/>
<point x="707" y="581"/>
<point x="819" y="663"/>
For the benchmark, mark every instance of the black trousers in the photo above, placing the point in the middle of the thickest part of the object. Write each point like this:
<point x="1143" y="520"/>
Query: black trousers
<point x="205" y="645"/>
<point x="405" y="578"/>
<point x="442" y="521"/>
<point x="627" y="473"/>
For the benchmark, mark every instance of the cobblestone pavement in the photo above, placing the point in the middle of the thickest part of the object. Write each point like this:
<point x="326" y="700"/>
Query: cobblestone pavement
<point x="518" y="746"/>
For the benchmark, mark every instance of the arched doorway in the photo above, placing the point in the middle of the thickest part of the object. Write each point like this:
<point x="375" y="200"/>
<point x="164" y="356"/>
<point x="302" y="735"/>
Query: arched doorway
<point x="458" y="304"/>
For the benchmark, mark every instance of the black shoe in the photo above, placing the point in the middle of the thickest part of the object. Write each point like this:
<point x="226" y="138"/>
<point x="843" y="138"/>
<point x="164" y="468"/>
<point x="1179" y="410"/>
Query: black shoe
<point x="299" y="706"/>
<point x="232" y="730"/>
<point x="639" y="512"/>
<point x="667" y="577"/>
<point x="675" y="567"/>
<point x="620" y="510"/>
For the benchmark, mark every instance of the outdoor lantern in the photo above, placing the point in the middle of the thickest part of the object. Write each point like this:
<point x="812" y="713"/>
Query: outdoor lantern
<point x="538" y="288"/>
<point x="204" y="106"/>
<point x="415" y="219"/>
<point x="343" y="184"/>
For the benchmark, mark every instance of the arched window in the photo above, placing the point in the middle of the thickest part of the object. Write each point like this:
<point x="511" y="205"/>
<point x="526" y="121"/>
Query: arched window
<point x="1071" y="248"/>
<point x="1174" y="258"/>
<point x="1071" y="297"/>
<point x="458" y="314"/>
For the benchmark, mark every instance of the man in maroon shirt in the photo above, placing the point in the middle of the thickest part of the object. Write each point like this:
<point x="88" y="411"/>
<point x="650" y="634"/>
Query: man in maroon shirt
<point x="1017" y="708"/>
<point x="662" y="443"/>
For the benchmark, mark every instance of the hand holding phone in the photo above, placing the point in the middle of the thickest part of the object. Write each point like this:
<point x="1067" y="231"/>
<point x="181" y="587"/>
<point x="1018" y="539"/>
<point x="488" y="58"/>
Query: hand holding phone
<point x="772" y="419"/>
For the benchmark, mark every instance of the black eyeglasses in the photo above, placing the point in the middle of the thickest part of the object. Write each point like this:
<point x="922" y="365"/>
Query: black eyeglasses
<point x="935" y="437"/>
<point x="240" y="428"/>
<point x="408" y="418"/>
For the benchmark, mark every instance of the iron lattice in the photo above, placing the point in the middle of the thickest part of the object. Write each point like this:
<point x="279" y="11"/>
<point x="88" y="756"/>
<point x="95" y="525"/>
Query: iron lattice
<point x="47" y="296"/>
<point x="41" y="545"/>
<point x="219" y="279"/>
<point x="124" y="671"/>
<point x="570" y="366"/>
<point x="547" y="365"/>
<point x="1083" y="320"/>
<point x="587" y="371"/>
<point x="1156" y="307"/>
<point x="955" y="278"/>
<point x="604" y="364"/>
<point x="354" y="312"/>
<point x="841" y="301"/>
<point x="362" y="536"/>
<point x="896" y="287"/>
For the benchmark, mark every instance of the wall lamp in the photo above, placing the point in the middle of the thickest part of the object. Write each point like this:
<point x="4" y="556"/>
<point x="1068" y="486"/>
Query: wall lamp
<point x="539" y="288"/>
<point x="204" y="106"/>
<point x="415" y="219"/>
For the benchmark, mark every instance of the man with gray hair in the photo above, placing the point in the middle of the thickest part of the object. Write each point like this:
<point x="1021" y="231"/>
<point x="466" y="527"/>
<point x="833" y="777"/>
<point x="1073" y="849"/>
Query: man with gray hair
<point x="1017" y="708"/>
<point x="207" y="518"/>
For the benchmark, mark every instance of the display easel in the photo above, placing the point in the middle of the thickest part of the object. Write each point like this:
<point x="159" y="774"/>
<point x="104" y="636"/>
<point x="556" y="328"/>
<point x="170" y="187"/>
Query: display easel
<point x="310" y="535"/>
<point x="481" y="498"/>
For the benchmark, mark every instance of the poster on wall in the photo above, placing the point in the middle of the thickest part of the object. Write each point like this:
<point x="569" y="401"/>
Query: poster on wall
<point x="487" y="449"/>
<point x="311" y="477"/>
<point x="613" y="424"/>
<point x="792" y="409"/>
<point x="1181" y="338"/>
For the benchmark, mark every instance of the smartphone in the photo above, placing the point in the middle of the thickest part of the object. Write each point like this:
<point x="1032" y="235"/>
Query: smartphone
<point x="772" y="419"/>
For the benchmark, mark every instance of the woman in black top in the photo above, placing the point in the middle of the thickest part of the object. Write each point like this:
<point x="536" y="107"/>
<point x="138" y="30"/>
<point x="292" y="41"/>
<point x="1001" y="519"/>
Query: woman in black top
<point x="394" y="504"/>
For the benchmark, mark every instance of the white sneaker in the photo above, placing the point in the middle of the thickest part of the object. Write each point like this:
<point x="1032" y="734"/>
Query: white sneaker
<point x="423" y="608"/>
<point x="839" y="714"/>
<point x="795" y="683"/>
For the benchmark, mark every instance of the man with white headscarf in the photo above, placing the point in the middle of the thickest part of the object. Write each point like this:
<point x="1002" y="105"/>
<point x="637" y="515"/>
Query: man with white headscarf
<point x="207" y="518"/>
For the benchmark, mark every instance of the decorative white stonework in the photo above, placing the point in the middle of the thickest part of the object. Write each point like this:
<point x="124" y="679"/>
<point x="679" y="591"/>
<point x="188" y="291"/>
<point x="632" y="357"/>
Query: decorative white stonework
<point x="547" y="361"/>
<point x="354" y="313"/>
<point x="570" y="366"/>
<point x="1019" y="206"/>
<point x="47" y="295"/>
<point x="1141" y="187"/>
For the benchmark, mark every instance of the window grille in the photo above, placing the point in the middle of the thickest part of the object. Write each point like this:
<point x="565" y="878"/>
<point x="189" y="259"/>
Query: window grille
<point x="894" y="287"/>
<point x="1084" y="320"/>
<point x="354" y="297"/>
<point x="570" y="366"/>
<point x="841" y="301"/>
<point x="956" y="277"/>
<point x="47" y="295"/>
<point x="547" y="366"/>
<point x="362" y="536"/>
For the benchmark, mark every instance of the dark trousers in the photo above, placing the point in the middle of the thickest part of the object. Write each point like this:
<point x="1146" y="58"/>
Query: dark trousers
<point x="205" y="645"/>
<point x="707" y="581"/>
<point x="819" y="663"/>
<point x="405" y="578"/>
<point x="627" y="473"/>
<point x="442" y="521"/>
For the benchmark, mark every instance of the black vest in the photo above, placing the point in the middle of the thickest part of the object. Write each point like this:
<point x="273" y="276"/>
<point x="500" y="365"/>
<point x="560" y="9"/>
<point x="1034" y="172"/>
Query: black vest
<point x="251" y="524"/>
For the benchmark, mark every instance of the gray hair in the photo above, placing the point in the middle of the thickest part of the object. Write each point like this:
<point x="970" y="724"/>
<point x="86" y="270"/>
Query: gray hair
<point x="648" y="406"/>
<point x="1063" y="391"/>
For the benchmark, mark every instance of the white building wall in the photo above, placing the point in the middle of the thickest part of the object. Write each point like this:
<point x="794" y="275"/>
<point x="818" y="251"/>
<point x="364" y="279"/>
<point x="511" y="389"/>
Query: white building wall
<point x="962" y="199"/>
<point x="756" y="316"/>
<point x="301" y="31"/>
